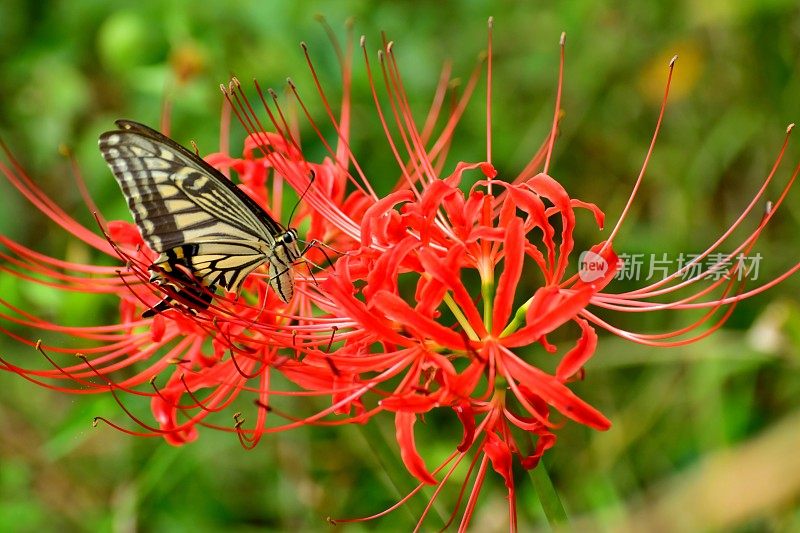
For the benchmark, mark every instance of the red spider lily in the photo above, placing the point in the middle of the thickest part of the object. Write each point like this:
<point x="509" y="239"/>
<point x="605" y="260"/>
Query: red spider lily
<point x="460" y="349"/>
<point x="396" y="315"/>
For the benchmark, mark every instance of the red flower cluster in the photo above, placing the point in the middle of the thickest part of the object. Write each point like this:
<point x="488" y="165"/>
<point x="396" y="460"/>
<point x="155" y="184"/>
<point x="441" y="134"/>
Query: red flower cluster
<point x="438" y="298"/>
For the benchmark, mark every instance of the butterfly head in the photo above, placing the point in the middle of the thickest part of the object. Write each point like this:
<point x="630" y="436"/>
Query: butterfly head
<point x="289" y="236"/>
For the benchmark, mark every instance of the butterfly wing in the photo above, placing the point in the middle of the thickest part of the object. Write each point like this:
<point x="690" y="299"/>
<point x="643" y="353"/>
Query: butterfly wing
<point x="186" y="209"/>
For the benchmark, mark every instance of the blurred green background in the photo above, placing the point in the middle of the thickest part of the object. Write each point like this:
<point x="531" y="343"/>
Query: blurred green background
<point x="705" y="437"/>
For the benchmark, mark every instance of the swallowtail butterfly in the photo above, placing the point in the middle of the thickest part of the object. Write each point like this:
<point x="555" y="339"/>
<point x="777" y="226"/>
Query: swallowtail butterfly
<point x="196" y="218"/>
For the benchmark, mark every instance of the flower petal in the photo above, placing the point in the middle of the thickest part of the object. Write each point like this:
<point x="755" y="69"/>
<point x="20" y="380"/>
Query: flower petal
<point x="378" y="210"/>
<point x="500" y="455"/>
<point x="551" y="308"/>
<point x="546" y="186"/>
<point x="395" y="308"/>
<point x="577" y="357"/>
<point x="553" y="391"/>
<point x="514" y="252"/>
<point x="404" y="430"/>
<point x="467" y="417"/>
<point x="612" y="262"/>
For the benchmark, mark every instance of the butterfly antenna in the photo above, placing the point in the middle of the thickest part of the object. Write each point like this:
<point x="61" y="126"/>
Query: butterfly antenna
<point x="310" y="183"/>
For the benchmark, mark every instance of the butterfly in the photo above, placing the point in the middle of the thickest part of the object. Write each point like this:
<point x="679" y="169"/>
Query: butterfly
<point x="208" y="232"/>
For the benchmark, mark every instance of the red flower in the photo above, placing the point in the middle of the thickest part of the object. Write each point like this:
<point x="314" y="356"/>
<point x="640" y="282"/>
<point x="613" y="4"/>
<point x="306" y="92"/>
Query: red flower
<point x="441" y="297"/>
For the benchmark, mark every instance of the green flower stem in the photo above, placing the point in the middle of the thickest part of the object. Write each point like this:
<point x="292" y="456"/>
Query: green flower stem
<point x="487" y="291"/>
<point x="389" y="459"/>
<point x="519" y="318"/>
<point x="548" y="497"/>
<point x="462" y="320"/>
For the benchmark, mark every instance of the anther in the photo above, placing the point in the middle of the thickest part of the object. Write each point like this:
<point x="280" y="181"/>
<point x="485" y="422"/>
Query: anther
<point x="334" y="329"/>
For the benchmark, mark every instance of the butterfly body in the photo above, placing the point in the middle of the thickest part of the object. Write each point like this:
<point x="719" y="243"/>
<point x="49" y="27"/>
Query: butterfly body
<point x="205" y="228"/>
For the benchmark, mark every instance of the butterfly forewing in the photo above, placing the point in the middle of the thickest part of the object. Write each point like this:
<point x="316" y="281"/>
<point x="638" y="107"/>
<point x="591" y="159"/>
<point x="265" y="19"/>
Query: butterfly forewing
<point x="193" y="215"/>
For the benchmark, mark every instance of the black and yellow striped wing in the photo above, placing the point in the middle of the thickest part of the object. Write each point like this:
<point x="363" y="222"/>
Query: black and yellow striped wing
<point x="193" y="215"/>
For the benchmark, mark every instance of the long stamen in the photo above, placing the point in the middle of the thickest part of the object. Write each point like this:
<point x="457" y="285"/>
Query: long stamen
<point x="554" y="128"/>
<point x="417" y="147"/>
<point x="489" y="97"/>
<point x="650" y="149"/>
<point x="384" y="124"/>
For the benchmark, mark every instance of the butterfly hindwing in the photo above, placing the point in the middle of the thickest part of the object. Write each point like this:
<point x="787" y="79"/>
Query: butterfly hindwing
<point x="194" y="216"/>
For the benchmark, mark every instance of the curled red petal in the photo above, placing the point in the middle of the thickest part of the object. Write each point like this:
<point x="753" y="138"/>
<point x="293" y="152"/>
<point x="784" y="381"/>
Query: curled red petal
<point x="467" y="417"/>
<point x="544" y="442"/>
<point x="608" y="255"/>
<point x="599" y="216"/>
<point x="463" y="384"/>
<point x="307" y="376"/>
<point x="514" y="251"/>
<point x="378" y="210"/>
<point x="546" y="186"/>
<point x="549" y="310"/>
<point x="554" y="392"/>
<point x="157" y="327"/>
<point x="455" y="178"/>
<point x="429" y="294"/>
<point x="166" y="405"/>
<point x="447" y="272"/>
<point x="409" y="403"/>
<point x="340" y="289"/>
<point x="395" y="308"/>
<point x="500" y="456"/>
<point x="123" y="232"/>
<point x="488" y="170"/>
<point x="534" y="207"/>
<point x="572" y="362"/>
<point x="404" y="430"/>
<point x="433" y="196"/>
<point x="383" y="272"/>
